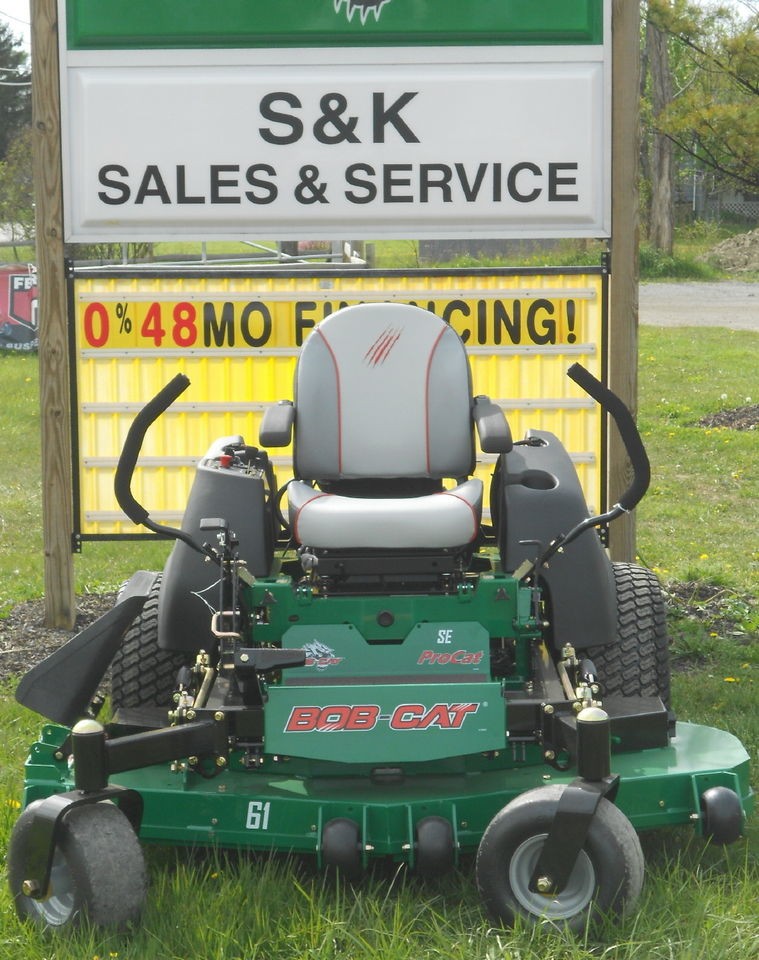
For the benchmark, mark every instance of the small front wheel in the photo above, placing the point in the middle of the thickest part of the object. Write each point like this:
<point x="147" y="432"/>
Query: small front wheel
<point x="341" y="848"/>
<point x="98" y="869"/>
<point x="722" y="815"/>
<point x="435" y="853"/>
<point x="607" y="876"/>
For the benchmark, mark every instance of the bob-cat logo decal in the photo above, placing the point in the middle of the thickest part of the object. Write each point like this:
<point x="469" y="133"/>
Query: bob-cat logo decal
<point x="363" y="7"/>
<point x="366" y="716"/>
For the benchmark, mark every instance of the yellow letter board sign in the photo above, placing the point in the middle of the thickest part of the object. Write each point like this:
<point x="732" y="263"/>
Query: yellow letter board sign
<point x="236" y="335"/>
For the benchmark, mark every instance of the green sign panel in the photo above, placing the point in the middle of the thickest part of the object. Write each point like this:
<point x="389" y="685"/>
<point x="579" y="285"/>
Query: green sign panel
<point x="92" y="24"/>
<point x="385" y="723"/>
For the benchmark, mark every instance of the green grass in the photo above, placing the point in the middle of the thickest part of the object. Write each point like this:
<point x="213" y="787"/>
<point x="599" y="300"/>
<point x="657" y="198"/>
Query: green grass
<point x="102" y="566"/>
<point x="692" y="242"/>
<point x="699" y="519"/>
<point x="697" y="525"/>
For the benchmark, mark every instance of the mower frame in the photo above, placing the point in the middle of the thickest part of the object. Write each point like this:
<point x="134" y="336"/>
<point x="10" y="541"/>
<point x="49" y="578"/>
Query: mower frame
<point x="485" y="729"/>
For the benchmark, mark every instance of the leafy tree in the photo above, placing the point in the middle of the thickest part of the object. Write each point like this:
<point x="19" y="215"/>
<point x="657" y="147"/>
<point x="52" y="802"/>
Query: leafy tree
<point x="17" y="189"/>
<point x="17" y="207"/>
<point x="657" y="154"/>
<point x="15" y="99"/>
<point x="713" y="114"/>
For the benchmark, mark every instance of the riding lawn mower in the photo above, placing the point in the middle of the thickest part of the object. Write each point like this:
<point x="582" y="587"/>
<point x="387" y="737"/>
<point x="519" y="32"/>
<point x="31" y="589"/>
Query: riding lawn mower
<point x="357" y="666"/>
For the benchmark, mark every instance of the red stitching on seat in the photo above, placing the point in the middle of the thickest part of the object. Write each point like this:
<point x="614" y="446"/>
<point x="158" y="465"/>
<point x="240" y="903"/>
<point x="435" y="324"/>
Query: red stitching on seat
<point x="300" y="510"/>
<point x="475" y="515"/>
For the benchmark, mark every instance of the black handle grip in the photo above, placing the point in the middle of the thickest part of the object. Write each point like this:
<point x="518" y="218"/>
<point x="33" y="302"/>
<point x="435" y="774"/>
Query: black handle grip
<point x="133" y="444"/>
<point x="628" y="430"/>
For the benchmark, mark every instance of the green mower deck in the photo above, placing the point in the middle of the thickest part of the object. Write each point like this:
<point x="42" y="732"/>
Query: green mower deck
<point x="275" y="809"/>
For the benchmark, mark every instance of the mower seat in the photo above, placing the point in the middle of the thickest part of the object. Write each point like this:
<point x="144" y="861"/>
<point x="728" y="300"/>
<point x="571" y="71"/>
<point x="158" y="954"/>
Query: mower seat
<point x="383" y="414"/>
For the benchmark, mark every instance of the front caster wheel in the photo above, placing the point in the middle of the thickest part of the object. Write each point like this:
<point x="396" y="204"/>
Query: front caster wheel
<point x="723" y="815"/>
<point x="434" y="847"/>
<point x="98" y="870"/>
<point x="607" y="876"/>
<point x="341" y="848"/>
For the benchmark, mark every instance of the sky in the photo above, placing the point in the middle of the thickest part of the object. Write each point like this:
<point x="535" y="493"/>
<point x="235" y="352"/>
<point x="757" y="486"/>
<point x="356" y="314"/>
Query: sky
<point x="16" y="14"/>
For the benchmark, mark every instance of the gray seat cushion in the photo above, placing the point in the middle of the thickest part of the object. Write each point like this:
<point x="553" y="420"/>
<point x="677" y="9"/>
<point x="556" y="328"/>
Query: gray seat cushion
<point x="437" y="521"/>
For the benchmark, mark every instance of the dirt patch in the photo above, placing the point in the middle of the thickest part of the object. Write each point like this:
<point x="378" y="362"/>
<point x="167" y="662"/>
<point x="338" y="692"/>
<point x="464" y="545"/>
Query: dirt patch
<point x="741" y="418"/>
<point x="25" y="640"/>
<point x="737" y="254"/>
<point x="722" y="610"/>
<point x="702" y="618"/>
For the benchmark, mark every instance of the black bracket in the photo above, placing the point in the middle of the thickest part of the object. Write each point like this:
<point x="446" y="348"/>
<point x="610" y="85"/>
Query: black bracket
<point x="569" y="830"/>
<point x="48" y="816"/>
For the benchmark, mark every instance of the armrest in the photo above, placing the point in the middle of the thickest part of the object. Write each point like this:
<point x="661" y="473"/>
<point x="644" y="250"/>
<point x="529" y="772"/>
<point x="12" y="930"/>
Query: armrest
<point x="492" y="427"/>
<point x="277" y="425"/>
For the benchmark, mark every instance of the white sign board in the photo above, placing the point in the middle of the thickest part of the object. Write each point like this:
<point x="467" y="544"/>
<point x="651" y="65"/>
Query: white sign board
<point x="475" y="141"/>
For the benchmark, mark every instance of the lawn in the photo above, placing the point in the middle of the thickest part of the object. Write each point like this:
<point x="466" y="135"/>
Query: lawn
<point x="697" y="529"/>
<point x="692" y="243"/>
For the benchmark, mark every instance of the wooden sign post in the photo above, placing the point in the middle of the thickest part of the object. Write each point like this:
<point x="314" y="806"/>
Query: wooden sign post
<point x="55" y="394"/>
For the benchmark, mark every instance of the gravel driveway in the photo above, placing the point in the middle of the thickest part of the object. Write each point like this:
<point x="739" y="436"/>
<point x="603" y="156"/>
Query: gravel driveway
<point x="729" y="303"/>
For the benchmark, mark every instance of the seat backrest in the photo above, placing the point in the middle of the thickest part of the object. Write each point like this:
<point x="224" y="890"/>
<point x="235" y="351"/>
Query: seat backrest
<point x="383" y="390"/>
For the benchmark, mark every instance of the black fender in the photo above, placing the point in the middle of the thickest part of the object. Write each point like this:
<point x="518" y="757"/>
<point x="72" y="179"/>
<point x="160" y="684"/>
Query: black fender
<point x="62" y="686"/>
<point x="535" y="496"/>
<point x="189" y="588"/>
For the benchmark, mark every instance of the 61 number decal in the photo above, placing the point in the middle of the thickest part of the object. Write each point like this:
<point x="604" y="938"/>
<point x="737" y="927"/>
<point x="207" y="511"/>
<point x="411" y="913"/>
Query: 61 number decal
<point x="258" y="815"/>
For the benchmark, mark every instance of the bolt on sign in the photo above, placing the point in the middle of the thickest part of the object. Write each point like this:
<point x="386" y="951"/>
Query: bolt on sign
<point x="360" y="118"/>
<point x="237" y="336"/>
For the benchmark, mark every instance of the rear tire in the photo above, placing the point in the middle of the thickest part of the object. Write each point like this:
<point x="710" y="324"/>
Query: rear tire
<point x="142" y="674"/>
<point x="637" y="665"/>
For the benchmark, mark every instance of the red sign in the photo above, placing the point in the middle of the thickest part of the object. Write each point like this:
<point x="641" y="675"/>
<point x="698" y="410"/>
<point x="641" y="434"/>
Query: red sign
<point x="18" y="307"/>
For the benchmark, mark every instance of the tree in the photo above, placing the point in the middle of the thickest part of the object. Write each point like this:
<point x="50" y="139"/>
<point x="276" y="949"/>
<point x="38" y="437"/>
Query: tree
<point x="15" y="94"/>
<point x="17" y="189"/>
<point x="660" y="166"/>
<point x="713" y="114"/>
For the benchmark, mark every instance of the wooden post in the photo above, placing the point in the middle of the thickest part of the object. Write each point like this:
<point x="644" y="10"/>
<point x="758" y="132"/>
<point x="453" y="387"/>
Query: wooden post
<point x="55" y="399"/>
<point x="623" y="287"/>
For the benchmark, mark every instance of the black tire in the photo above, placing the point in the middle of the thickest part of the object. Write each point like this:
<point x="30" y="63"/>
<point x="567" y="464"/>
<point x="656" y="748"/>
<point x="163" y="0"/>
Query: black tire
<point x="607" y="878"/>
<point x="637" y="665"/>
<point x="142" y="674"/>
<point x="722" y="815"/>
<point x="98" y="870"/>
<point x="434" y="847"/>
<point x="341" y="848"/>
